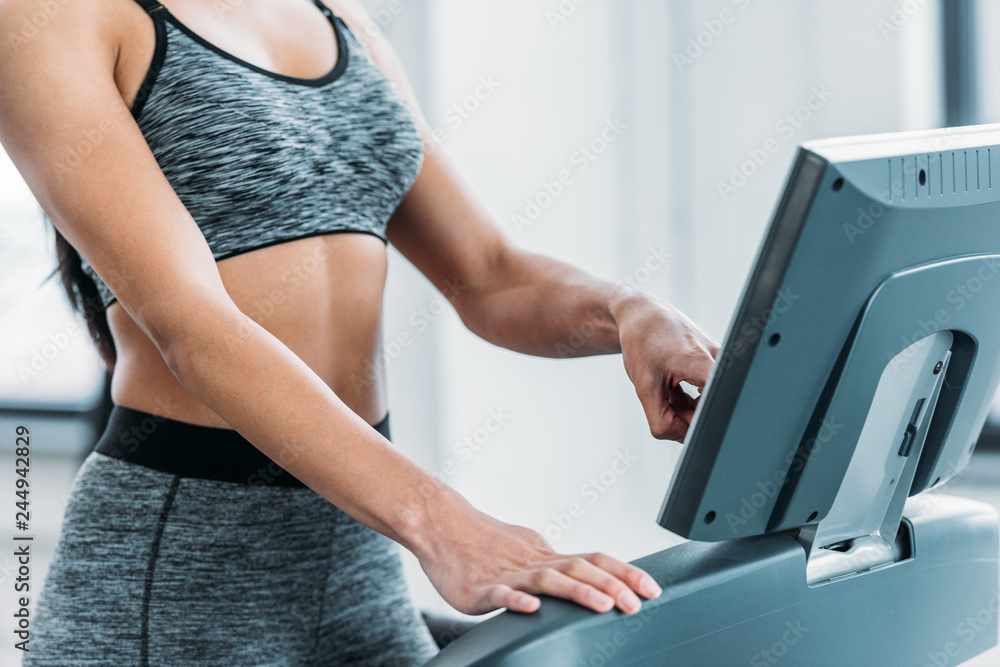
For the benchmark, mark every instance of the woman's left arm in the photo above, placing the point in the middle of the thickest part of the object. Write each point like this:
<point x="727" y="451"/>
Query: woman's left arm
<point x="537" y="305"/>
<point x="530" y="303"/>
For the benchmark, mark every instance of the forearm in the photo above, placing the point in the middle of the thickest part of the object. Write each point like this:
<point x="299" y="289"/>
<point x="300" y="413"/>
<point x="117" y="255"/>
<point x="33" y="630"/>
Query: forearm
<point x="541" y="306"/>
<point x="279" y="404"/>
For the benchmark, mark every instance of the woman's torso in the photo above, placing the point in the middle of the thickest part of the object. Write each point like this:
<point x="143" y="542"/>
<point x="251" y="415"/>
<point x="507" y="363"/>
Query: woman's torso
<point x="320" y="295"/>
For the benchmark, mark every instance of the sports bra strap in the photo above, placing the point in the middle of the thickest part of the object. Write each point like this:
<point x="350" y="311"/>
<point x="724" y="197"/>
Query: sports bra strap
<point x="150" y="5"/>
<point x="323" y="8"/>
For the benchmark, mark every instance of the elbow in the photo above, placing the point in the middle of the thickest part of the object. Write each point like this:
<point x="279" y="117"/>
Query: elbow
<point x="482" y="303"/>
<point x="475" y="320"/>
<point x="481" y="287"/>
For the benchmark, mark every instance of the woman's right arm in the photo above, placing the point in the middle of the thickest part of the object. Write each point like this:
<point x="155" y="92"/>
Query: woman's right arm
<point x="58" y="98"/>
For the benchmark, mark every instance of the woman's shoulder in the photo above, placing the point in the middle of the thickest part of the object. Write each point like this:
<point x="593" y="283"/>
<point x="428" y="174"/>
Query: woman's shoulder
<point x="65" y="28"/>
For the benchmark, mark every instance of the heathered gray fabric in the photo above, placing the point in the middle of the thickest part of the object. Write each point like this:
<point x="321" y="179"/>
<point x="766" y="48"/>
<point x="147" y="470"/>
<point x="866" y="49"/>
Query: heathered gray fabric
<point x="258" y="160"/>
<point x="228" y="574"/>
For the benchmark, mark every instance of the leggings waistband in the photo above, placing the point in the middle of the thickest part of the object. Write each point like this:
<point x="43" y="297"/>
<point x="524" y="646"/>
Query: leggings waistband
<point x="192" y="450"/>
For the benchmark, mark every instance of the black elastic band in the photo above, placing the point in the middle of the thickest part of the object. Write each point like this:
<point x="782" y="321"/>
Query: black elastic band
<point x="150" y="5"/>
<point x="323" y="8"/>
<point x="191" y="450"/>
<point x="159" y="54"/>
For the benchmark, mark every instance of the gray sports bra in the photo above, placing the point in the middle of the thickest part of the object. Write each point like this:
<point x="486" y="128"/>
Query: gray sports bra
<point x="259" y="158"/>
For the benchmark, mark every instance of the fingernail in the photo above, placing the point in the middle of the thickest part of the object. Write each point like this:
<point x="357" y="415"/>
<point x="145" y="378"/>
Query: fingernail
<point x="649" y="588"/>
<point x="599" y="599"/>
<point x="629" y="601"/>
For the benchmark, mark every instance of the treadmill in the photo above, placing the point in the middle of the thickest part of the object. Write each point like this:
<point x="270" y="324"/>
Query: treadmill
<point x="855" y="377"/>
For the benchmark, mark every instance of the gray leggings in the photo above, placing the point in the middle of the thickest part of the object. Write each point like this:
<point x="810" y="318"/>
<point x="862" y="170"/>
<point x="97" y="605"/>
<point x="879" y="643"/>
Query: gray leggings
<point x="153" y="568"/>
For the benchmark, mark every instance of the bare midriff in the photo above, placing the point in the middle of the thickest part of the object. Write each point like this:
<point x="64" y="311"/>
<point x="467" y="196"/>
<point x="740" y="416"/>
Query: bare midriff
<point x="321" y="296"/>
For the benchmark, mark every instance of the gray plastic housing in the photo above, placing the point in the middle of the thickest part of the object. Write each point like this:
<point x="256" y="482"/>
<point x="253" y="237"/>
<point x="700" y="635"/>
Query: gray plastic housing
<point x="746" y="602"/>
<point x="877" y="242"/>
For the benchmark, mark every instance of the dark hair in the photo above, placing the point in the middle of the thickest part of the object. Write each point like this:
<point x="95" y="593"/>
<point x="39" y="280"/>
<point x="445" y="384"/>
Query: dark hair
<point x="83" y="296"/>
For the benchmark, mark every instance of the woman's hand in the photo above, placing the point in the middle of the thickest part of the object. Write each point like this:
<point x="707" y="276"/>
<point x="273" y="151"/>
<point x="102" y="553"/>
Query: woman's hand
<point x="662" y="347"/>
<point x="478" y="564"/>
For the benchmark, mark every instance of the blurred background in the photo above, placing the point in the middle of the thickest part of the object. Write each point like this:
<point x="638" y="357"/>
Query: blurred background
<point x="649" y="107"/>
